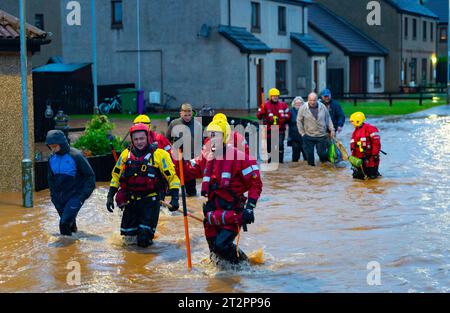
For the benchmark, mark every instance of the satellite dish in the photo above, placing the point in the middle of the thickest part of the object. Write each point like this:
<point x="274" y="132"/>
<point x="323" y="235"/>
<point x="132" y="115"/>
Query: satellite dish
<point x="204" y="31"/>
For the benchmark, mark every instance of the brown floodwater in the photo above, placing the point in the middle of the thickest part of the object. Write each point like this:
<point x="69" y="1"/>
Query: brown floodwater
<point x="318" y="230"/>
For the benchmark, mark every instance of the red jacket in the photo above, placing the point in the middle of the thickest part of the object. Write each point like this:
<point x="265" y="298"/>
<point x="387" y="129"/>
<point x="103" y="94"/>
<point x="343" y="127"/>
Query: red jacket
<point x="368" y="138"/>
<point x="234" y="177"/>
<point x="277" y="113"/>
<point x="163" y="142"/>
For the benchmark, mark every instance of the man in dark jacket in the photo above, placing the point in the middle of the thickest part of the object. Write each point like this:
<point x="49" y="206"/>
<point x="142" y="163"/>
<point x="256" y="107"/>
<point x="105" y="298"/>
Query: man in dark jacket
<point x="70" y="178"/>
<point x="187" y="124"/>
<point x="336" y="113"/>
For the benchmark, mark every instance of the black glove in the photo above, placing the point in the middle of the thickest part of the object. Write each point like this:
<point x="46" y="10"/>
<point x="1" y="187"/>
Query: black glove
<point x="247" y="216"/>
<point x="174" y="201"/>
<point x="110" y="200"/>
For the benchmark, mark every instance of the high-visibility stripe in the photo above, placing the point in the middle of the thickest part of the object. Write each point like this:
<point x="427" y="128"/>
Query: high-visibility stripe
<point x="223" y="217"/>
<point x="363" y="139"/>
<point x="226" y="175"/>
<point x="193" y="163"/>
<point x="145" y="226"/>
<point x="255" y="167"/>
<point x="374" y="134"/>
<point x="353" y="140"/>
<point x="167" y="148"/>
<point x="209" y="218"/>
<point x="206" y="179"/>
<point x="128" y="229"/>
<point x="247" y="171"/>
<point x="280" y="111"/>
<point x="287" y="110"/>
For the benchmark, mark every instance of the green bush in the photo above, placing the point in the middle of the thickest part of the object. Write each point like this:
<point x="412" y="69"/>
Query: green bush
<point x="97" y="139"/>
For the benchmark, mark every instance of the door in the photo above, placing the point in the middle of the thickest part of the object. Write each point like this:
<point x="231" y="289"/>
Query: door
<point x="335" y="81"/>
<point x="358" y="74"/>
<point x="259" y="81"/>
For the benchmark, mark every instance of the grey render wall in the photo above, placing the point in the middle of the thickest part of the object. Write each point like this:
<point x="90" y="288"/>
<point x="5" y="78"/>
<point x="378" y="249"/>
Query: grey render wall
<point x="52" y="23"/>
<point x="194" y="69"/>
<point x="301" y="71"/>
<point x="387" y="34"/>
<point x="337" y="58"/>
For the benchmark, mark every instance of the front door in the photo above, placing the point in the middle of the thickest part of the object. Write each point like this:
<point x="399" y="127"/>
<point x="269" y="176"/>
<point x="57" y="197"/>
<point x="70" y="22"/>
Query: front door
<point x="259" y="81"/>
<point x="358" y="74"/>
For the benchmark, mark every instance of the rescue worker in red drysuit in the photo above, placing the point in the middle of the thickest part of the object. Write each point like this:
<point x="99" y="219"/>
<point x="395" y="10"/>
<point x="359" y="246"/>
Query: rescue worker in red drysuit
<point x="227" y="175"/>
<point x="135" y="182"/>
<point x="365" y="145"/>
<point x="161" y="141"/>
<point x="275" y="112"/>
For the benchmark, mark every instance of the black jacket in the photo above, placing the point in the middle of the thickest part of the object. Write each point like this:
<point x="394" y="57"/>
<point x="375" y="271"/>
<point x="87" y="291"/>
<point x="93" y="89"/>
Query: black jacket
<point x="294" y="135"/>
<point x="336" y="113"/>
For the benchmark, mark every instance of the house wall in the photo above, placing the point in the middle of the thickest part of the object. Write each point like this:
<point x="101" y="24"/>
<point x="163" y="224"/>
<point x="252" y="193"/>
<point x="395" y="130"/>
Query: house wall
<point x="11" y="121"/>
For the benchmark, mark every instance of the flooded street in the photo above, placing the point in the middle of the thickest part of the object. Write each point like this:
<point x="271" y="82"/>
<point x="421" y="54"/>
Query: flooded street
<point x="317" y="227"/>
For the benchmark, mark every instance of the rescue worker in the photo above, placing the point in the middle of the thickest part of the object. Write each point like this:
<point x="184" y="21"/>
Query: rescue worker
<point x="365" y="145"/>
<point x="275" y="112"/>
<point x="225" y="181"/>
<point x="135" y="182"/>
<point x="161" y="140"/>
<point x="70" y="178"/>
<point x="236" y="138"/>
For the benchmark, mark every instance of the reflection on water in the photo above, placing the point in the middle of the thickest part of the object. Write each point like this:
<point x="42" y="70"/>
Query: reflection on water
<point x="318" y="230"/>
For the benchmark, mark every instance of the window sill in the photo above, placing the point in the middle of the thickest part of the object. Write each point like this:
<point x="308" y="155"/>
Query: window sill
<point x="282" y="33"/>
<point x="116" y="26"/>
<point x="256" y="30"/>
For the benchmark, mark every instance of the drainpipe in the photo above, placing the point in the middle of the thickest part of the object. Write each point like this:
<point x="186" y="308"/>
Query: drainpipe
<point x="94" y="56"/>
<point x="138" y="19"/>
<point x="248" y="82"/>
<point x="229" y="12"/>
<point x="27" y="165"/>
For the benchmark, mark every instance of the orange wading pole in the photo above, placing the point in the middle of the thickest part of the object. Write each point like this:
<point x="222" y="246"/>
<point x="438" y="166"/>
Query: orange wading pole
<point x="185" y="213"/>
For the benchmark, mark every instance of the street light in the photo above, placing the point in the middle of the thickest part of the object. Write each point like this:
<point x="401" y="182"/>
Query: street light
<point x="433" y="62"/>
<point x="27" y="165"/>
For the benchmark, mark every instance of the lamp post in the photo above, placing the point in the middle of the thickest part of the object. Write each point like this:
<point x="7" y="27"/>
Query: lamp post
<point x="27" y="165"/>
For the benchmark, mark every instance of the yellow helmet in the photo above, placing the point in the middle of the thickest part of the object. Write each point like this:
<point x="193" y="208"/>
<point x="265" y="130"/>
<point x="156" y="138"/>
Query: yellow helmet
<point x="220" y="126"/>
<point x="220" y="117"/>
<point x="274" y="92"/>
<point x="357" y="119"/>
<point x="144" y="119"/>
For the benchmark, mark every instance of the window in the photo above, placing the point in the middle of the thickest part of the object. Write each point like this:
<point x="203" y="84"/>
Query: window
<point x="39" y="21"/>
<point x="424" y="31"/>
<point x="424" y="71"/>
<point x="282" y="20"/>
<point x="414" y="31"/>
<point x="413" y="66"/>
<point x="377" y="73"/>
<point x="431" y="31"/>
<point x="117" y="18"/>
<point x="443" y="34"/>
<point x="406" y="27"/>
<point x="280" y="72"/>
<point x="256" y="17"/>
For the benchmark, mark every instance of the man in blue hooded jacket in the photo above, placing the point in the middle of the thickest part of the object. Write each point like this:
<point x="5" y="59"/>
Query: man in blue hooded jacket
<point x="70" y="178"/>
<point x="336" y="113"/>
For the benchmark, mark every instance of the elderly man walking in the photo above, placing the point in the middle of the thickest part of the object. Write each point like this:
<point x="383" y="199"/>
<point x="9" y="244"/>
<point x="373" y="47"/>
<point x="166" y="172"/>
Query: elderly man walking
<point x="313" y="122"/>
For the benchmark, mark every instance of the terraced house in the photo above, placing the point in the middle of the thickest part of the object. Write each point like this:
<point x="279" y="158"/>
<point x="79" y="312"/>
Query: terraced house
<point x="407" y="31"/>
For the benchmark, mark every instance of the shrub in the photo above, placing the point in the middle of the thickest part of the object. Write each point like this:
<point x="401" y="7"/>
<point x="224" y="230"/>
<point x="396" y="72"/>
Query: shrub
<point x="97" y="138"/>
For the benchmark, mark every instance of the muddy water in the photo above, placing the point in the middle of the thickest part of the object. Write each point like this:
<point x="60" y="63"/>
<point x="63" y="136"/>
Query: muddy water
<point x="318" y="229"/>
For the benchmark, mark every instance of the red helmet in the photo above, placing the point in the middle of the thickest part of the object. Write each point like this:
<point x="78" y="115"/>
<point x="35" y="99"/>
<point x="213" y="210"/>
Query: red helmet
<point x="138" y="128"/>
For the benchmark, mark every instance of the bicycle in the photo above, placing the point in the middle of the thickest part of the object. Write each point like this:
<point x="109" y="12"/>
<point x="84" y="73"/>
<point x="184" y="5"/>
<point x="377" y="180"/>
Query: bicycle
<point x="110" y="104"/>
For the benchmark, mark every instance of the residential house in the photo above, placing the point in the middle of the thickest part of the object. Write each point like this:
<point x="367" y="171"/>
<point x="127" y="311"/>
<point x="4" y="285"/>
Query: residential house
<point x="407" y="31"/>
<point x="441" y="9"/>
<point x="357" y="62"/>
<point x="11" y="97"/>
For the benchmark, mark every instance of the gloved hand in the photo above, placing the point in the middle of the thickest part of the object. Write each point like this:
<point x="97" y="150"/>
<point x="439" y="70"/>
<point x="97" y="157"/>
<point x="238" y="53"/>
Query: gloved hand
<point x="174" y="202"/>
<point x="247" y="216"/>
<point x="110" y="200"/>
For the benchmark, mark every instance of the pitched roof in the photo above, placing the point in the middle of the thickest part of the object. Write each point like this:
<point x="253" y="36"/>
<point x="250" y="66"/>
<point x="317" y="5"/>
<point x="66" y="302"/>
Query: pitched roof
<point x="10" y="28"/>
<point x="341" y="33"/>
<point x="440" y="8"/>
<point x="60" y="68"/>
<point x="412" y="7"/>
<point x="310" y="44"/>
<point x="243" y="39"/>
